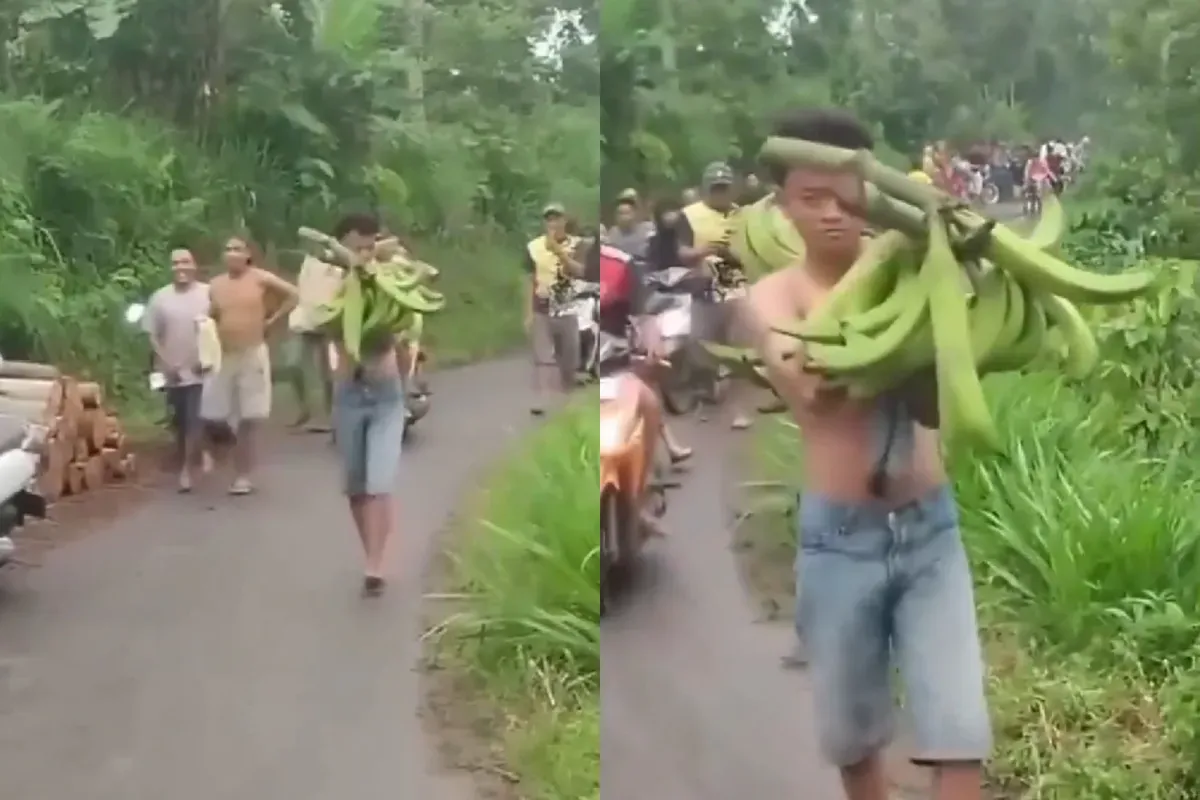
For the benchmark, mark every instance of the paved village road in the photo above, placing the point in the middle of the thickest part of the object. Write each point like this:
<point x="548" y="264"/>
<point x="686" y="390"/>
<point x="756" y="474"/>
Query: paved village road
<point x="216" y="648"/>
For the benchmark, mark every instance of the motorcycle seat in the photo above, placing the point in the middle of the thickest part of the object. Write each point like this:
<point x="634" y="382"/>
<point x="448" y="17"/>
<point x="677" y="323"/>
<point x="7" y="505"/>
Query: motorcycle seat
<point x="659" y="302"/>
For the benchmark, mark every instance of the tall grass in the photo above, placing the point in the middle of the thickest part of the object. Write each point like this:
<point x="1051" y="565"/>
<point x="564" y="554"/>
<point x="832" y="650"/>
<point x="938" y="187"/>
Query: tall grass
<point x="529" y="574"/>
<point x="1087" y="566"/>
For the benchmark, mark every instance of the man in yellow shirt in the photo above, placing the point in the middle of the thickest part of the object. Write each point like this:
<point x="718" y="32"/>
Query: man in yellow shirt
<point x="552" y="261"/>
<point x="703" y="232"/>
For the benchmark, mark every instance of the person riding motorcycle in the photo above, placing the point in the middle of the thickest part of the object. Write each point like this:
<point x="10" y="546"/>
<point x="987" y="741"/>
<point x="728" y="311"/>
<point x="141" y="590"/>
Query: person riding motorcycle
<point x="623" y="295"/>
<point x="703" y="232"/>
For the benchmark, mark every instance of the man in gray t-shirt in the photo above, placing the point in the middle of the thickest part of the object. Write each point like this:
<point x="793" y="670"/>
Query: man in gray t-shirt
<point x="172" y="321"/>
<point x="629" y="233"/>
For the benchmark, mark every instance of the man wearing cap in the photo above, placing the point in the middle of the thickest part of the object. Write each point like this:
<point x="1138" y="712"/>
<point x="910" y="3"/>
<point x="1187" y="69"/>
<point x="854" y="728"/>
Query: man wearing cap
<point x="551" y="261"/>
<point x="703" y="232"/>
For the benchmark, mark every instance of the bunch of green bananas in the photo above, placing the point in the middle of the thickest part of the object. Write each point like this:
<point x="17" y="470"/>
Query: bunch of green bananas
<point x="381" y="298"/>
<point x="960" y="302"/>
<point x="763" y="240"/>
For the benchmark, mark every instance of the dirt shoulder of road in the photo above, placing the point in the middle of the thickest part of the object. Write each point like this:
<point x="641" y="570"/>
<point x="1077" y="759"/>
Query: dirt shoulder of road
<point x="456" y="712"/>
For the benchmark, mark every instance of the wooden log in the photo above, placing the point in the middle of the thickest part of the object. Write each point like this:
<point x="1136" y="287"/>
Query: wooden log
<point x="29" y="410"/>
<point x="72" y="403"/>
<point x="93" y="472"/>
<point x="28" y="369"/>
<point x="93" y="429"/>
<point x="75" y="479"/>
<point x="65" y="428"/>
<point x="91" y="395"/>
<point x="115" y="434"/>
<point x="113" y="459"/>
<point x="54" y="471"/>
<point x="31" y="388"/>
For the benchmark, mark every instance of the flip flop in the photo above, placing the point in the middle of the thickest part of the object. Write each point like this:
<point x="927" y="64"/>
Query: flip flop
<point x="681" y="455"/>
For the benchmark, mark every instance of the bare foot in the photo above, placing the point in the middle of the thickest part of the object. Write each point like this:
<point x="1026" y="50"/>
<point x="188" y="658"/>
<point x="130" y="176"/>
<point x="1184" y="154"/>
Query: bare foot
<point x="241" y="487"/>
<point x="741" y="422"/>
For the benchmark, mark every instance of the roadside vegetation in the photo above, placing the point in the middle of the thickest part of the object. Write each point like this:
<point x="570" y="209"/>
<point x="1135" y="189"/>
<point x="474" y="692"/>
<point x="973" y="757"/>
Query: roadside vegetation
<point x="128" y="129"/>
<point x="524" y="578"/>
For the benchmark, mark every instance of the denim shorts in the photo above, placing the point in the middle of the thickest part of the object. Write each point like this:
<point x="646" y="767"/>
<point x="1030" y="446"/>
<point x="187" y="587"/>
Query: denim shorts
<point x="368" y="424"/>
<point x="878" y="590"/>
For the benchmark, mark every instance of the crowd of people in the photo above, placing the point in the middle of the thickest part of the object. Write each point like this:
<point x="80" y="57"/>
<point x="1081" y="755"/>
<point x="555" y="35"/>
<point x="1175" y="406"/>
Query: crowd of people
<point x="996" y="171"/>
<point x="364" y="398"/>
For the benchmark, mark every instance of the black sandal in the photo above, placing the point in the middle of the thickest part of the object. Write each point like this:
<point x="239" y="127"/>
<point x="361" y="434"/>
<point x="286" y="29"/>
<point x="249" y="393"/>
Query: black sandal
<point x="372" y="586"/>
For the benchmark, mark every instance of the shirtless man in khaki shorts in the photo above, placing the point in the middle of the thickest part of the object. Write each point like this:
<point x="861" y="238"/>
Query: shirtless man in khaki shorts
<point x="245" y="301"/>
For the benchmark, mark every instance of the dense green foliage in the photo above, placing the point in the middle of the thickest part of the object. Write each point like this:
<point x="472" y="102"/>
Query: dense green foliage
<point x="132" y="126"/>
<point x="686" y="82"/>
<point x="530" y="572"/>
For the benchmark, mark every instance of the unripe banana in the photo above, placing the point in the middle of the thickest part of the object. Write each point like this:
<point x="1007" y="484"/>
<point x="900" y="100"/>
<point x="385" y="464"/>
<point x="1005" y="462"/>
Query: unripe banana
<point x="962" y="406"/>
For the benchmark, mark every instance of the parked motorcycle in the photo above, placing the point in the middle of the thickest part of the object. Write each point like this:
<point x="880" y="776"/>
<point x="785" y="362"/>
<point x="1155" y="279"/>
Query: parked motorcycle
<point x="630" y="484"/>
<point x="984" y="189"/>
<point x="692" y="376"/>
<point x="417" y="395"/>
<point x="21" y="445"/>
<point x="586" y="310"/>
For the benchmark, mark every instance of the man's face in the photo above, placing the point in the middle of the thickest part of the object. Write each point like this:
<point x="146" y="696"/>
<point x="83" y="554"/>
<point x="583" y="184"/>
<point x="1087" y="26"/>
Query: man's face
<point x="818" y="203"/>
<point x="362" y="245"/>
<point x="720" y="196"/>
<point x="237" y="255"/>
<point x="626" y="216"/>
<point x="556" y="226"/>
<point x="183" y="267"/>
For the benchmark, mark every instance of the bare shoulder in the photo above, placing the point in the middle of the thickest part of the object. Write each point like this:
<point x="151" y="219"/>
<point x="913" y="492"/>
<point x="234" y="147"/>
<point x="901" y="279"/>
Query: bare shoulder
<point x="269" y="280"/>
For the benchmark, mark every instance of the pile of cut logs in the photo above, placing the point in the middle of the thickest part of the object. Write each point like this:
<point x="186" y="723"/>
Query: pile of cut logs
<point x="86" y="446"/>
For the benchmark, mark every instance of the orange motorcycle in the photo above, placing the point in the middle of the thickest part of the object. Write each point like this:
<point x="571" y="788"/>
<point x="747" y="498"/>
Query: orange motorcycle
<point x="630" y="483"/>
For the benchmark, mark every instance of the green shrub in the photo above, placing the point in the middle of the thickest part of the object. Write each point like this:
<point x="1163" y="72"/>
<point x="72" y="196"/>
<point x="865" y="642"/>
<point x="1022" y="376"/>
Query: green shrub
<point x="1087" y="563"/>
<point x="530" y="624"/>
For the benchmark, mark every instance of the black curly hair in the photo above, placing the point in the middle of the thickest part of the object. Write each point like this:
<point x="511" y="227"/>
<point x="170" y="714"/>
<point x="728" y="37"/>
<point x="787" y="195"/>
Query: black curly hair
<point x="831" y="126"/>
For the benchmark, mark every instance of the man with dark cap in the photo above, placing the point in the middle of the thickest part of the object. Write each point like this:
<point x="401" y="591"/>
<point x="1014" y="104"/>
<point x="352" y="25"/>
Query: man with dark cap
<point x="551" y="261"/>
<point x="703" y="232"/>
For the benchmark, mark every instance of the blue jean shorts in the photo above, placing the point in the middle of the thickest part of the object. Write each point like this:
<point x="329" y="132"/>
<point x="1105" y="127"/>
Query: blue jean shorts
<point x="368" y="424"/>
<point x="880" y="590"/>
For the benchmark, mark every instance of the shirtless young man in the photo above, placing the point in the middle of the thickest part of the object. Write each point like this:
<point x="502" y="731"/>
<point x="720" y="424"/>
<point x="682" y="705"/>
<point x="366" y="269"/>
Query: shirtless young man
<point x="882" y="575"/>
<point x="245" y="301"/>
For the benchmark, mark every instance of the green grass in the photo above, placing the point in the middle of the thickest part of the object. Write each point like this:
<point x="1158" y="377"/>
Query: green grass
<point x="1087" y="566"/>
<point x="529" y="626"/>
<point x="483" y="283"/>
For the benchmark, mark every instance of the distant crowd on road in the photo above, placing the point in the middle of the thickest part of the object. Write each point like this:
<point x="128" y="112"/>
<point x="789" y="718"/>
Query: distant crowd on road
<point x="991" y="172"/>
